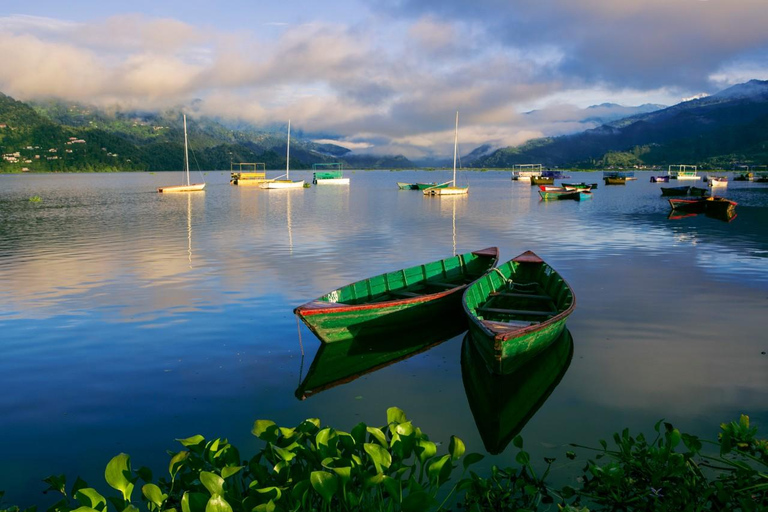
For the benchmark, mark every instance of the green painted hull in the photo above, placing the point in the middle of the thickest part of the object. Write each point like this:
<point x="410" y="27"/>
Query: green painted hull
<point x="510" y="324"/>
<point x="336" y="364"/>
<point x="502" y="404"/>
<point x="396" y="302"/>
<point x="420" y="186"/>
<point x="555" y="195"/>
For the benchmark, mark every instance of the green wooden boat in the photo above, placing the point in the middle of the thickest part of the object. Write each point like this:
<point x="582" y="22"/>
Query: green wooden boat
<point x="560" y="193"/>
<point x="397" y="301"/>
<point x="517" y="311"/>
<point x="503" y="404"/>
<point x="421" y="186"/>
<point x="336" y="364"/>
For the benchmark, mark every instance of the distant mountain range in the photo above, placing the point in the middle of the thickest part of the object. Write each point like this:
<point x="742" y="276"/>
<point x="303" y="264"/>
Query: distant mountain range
<point x="721" y="130"/>
<point x="63" y="136"/>
<point x="727" y="128"/>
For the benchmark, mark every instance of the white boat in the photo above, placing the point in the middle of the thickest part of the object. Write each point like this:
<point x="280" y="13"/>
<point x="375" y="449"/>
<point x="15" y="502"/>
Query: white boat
<point x="452" y="189"/>
<point x="334" y="175"/>
<point x="189" y="187"/>
<point x="524" y="172"/>
<point x="286" y="183"/>
<point x="683" y="172"/>
<point x="717" y="181"/>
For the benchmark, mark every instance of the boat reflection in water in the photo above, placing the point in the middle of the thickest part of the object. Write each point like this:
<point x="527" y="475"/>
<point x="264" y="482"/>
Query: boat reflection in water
<point x="344" y="361"/>
<point x="503" y="404"/>
<point x="724" y="216"/>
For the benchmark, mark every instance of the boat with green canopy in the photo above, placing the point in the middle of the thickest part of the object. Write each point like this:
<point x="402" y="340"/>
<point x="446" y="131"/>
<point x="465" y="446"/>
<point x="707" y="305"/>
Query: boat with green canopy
<point x="420" y="186"/>
<point x="336" y="364"/>
<point x="516" y="311"/>
<point x="398" y="301"/>
<point x="502" y="404"/>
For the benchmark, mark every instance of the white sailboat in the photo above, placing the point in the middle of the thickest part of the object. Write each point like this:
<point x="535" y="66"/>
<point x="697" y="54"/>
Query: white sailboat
<point x="451" y="190"/>
<point x="189" y="187"/>
<point x="286" y="183"/>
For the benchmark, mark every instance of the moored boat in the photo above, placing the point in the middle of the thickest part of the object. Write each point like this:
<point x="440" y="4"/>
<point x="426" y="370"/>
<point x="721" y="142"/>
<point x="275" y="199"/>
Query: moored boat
<point x="698" y="191"/>
<point x="715" y="205"/>
<point x="328" y="174"/>
<point x="557" y="193"/>
<point x="421" y="186"/>
<point x="683" y="172"/>
<point x="579" y="186"/>
<point x="189" y="187"/>
<point x="688" y="205"/>
<point x="659" y="179"/>
<point x="542" y="180"/>
<point x="617" y="177"/>
<point x="516" y="311"/>
<point x="449" y="188"/>
<point x="396" y="301"/>
<point x="502" y="404"/>
<point x="675" y="191"/>
<point x="717" y="181"/>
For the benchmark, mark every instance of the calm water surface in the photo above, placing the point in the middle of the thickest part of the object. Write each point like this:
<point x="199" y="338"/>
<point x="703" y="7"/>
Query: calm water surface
<point x="130" y="318"/>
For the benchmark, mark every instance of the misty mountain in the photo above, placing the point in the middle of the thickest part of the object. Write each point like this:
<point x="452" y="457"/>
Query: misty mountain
<point x="718" y="130"/>
<point x="53" y="135"/>
<point x="575" y="119"/>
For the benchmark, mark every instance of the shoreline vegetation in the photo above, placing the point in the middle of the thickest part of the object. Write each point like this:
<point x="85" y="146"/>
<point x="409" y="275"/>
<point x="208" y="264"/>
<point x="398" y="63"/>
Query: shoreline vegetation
<point x="398" y="468"/>
<point x="425" y="169"/>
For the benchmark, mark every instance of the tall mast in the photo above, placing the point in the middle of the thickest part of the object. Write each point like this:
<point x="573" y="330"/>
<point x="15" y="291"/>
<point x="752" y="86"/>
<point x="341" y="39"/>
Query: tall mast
<point x="186" y="151"/>
<point x="288" y="152"/>
<point x="455" y="147"/>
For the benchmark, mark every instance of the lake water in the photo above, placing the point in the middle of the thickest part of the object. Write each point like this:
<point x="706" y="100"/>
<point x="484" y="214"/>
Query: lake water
<point x="130" y="318"/>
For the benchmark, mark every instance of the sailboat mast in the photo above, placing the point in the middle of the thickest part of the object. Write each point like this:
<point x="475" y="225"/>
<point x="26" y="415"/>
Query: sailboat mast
<point x="288" y="152"/>
<point x="455" y="147"/>
<point x="186" y="150"/>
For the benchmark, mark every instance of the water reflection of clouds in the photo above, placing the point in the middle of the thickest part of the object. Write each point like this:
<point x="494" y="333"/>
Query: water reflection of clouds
<point x="130" y="258"/>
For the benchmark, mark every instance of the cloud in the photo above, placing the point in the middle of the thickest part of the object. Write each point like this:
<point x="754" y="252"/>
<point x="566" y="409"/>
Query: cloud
<point x="636" y="43"/>
<point x="391" y="81"/>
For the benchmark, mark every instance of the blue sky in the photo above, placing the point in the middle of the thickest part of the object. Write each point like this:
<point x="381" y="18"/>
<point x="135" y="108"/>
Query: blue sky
<point x="384" y="76"/>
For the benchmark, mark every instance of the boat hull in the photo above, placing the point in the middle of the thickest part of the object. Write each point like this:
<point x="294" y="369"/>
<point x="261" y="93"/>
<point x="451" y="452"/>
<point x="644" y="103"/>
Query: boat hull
<point x="510" y="325"/>
<point x="675" y="191"/>
<point x="282" y="184"/>
<point x="332" y="181"/>
<point x="549" y="195"/>
<point x="446" y="191"/>
<point x="716" y="205"/>
<point x="542" y="180"/>
<point x="615" y="181"/>
<point x="659" y="179"/>
<point x="397" y="301"/>
<point x="195" y="187"/>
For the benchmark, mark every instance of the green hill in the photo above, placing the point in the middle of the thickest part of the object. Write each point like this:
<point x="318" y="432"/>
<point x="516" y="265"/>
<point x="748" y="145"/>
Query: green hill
<point x="61" y="136"/>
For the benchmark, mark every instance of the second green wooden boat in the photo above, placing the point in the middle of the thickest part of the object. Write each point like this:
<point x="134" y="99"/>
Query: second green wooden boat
<point x="517" y="311"/>
<point x="397" y="301"/>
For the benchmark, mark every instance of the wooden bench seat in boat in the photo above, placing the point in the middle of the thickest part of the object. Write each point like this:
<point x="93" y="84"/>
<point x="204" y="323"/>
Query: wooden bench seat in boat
<point x="496" y="325"/>
<point x="521" y="295"/>
<point x="516" y="312"/>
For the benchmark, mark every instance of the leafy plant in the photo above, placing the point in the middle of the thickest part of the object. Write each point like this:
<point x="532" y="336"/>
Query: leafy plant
<point x="394" y="467"/>
<point x="35" y="199"/>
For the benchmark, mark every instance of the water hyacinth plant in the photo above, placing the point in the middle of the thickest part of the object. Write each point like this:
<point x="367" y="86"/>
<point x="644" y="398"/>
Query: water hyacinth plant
<point x="395" y="467"/>
<point x="398" y="468"/>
